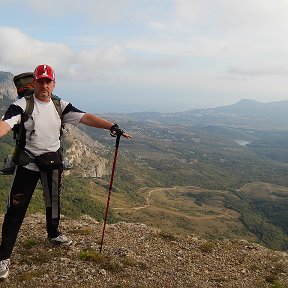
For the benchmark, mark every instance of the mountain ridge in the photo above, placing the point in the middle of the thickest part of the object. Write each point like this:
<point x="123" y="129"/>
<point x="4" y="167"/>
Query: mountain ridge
<point x="244" y="113"/>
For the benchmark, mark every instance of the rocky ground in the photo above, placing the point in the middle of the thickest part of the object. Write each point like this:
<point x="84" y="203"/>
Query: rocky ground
<point x="135" y="255"/>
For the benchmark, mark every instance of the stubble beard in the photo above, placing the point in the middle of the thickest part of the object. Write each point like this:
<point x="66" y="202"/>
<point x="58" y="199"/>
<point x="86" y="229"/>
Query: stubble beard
<point x="43" y="95"/>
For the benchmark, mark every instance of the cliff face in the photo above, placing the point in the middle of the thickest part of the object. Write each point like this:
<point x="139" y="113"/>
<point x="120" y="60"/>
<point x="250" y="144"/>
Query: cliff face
<point x="84" y="155"/>
<point x="7" y="87"/>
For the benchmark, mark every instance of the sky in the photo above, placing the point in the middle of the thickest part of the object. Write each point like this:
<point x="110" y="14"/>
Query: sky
<point x="151" y="55"/>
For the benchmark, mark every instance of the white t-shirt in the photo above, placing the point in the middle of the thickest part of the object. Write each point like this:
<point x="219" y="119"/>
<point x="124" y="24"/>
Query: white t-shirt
<point x="43" y="127"/>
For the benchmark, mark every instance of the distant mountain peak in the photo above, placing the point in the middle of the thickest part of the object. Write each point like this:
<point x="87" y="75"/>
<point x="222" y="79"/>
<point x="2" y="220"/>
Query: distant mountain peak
<point x="247" y="101"/>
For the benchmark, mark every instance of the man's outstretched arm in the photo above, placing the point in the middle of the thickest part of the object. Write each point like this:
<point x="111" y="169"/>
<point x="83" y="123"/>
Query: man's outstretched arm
<point x="98" y="122"/>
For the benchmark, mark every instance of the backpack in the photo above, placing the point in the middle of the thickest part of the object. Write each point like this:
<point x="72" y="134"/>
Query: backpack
<point x="24" y="84"/>
<point x="25" y="88"/>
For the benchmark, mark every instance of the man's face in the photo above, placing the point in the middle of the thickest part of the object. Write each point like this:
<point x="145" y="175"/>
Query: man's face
<point x="43" y="89"/>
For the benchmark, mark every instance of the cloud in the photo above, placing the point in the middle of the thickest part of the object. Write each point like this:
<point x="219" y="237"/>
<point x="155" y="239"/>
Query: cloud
<point x="163" y="43"/>
<point x="265" y="71"/>
<point x="231" y="15"/>
<point x="195" y="46"/>
<point x="193" y="11"/>
<point x="21" y="52"/>
<point x="121" y="61"/>
<point x="103" y="11"/>
<point x="249" y="27"/>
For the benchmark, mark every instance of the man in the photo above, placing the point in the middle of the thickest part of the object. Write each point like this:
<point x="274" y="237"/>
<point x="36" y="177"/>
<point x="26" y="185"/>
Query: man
<point x="41" y="139"/>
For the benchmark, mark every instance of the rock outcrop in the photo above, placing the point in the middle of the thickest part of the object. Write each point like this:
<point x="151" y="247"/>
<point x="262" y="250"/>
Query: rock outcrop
<point x="7" y="87"/>
<point x="85" y="155"/>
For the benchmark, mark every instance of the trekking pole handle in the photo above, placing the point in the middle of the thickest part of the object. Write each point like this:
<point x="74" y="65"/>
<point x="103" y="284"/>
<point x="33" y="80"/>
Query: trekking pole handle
<point x="115" y="130"/>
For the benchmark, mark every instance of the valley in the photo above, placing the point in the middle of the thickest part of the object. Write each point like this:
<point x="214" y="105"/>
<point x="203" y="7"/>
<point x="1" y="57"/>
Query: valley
<point x="213" y="174"/>
<point x="220" y="161"/>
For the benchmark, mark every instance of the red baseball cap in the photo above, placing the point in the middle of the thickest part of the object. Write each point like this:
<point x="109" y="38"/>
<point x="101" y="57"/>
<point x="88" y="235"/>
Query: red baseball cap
<point x="44" y="71"/>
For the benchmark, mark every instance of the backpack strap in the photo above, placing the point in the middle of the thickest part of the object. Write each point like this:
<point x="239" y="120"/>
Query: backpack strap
<point x="19" y="130"/>
<point x="29" y="106"/>
<point x="57" y="104"/>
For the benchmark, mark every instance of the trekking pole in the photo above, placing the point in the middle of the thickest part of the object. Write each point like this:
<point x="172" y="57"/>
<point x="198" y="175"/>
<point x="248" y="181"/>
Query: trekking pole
<point x="110" y="188"/>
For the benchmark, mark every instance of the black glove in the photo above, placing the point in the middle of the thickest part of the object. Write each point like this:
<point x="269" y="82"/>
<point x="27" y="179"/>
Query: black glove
<point x="115" y="130"/>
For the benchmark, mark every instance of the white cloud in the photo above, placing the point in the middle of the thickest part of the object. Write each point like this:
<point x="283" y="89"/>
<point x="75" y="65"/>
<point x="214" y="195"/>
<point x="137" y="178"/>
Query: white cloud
<point x="259" y="71"/>
<point x="193" y="11"/>
<point x="167" y="26"/>
<point x="158" y="25"/>
<point x="229" y="46"/>
<point x="230" y="15"/>
<point x="249" y="27"/>
<point x="19" y="51"/>
<point x="104" y="11"/>
<point x="198" y="46"/>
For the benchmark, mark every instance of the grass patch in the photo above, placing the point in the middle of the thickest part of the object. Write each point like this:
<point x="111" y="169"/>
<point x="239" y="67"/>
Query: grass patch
<point x="40" y="257"/>
<point x="167" y="236"/>
<point x="276" y="284"/>
<point x="109" y="263"/>
<point x="34" y="254"/>
<point x="90" y="255"/>
<point x="29" y="275"/>
<point x="207" y="247"/>
<point x="30" y="243"/>
<point x="277" y="268"/>
<point x="106" y="263"/>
